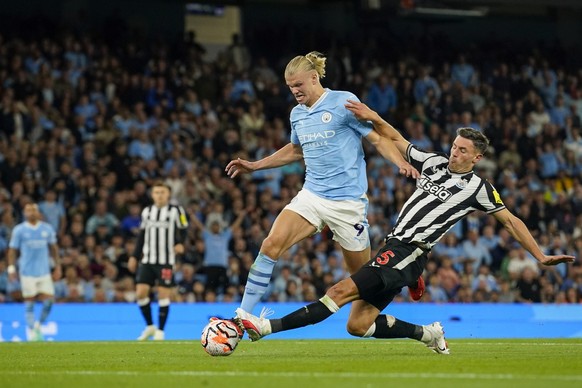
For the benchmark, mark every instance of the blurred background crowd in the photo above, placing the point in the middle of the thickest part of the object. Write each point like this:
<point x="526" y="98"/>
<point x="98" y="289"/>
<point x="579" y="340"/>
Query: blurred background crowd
<point x="87" y="124"/>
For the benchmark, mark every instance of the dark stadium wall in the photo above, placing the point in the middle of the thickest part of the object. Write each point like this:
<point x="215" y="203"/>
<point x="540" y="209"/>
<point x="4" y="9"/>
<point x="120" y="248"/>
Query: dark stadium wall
<point x="333" y="19"/>
<point x="565" y="24"/>
<point x="149" y="17"/>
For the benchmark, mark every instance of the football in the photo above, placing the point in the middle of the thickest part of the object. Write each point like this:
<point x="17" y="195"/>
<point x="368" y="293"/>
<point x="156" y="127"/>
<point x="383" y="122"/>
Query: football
<point x="220" y="337"/>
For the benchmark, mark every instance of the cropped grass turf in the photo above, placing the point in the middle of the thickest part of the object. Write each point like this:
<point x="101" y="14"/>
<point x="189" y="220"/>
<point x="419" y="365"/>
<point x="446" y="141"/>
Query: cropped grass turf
<point x="298" y="364"/>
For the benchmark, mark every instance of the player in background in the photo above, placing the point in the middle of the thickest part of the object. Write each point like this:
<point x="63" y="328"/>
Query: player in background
<point x="447" y="191"/>
<point x="162" y="232"/>
<point x="34" y="242"/>
<point x="328" y="138"/>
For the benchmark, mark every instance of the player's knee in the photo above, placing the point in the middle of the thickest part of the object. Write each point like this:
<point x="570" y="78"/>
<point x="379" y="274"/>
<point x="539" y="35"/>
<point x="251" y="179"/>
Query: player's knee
<point x="271" y="247"/>
<point x="357" y="329"/>
<point x="340" y="291"/>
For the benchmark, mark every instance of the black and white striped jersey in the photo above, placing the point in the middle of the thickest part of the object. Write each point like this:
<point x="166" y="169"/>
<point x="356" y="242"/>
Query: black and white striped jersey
<point x="159" y="226"/>
<point x="440" y="200"/>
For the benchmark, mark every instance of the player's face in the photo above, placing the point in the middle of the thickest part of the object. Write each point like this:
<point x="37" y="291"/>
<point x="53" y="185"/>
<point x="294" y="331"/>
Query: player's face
<point x="31" y="213"/>
<point x="463" y="155"/>
<point x="161" y="196"/>
<point x="303" y="86"/>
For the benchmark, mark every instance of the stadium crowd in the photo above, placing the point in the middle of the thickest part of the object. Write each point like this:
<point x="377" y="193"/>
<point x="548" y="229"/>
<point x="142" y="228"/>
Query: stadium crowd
<point x="87" y="126"/>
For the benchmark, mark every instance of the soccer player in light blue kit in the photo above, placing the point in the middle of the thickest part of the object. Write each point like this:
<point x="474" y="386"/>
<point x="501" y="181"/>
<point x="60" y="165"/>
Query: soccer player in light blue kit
<point x="36" y="242"/>
<point x="329" y="138"/>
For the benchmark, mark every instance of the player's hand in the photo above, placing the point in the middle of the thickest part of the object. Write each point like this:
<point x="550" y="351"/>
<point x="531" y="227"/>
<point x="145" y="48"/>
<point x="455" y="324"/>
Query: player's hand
<point x="238" y="166"/>
<point x="132" y="264"/>
<point x="360" y="110"/>
<point x="57" y="273"/>
<point x="407" y="170"/>
<point x="179" y="249"/>
<point x="554" y="260"/>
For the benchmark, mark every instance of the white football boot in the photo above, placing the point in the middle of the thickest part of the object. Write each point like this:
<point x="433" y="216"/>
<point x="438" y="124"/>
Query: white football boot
<point x="147" y="333"/>
<point x="256" y="327"/>
<point x="434" y="338"/>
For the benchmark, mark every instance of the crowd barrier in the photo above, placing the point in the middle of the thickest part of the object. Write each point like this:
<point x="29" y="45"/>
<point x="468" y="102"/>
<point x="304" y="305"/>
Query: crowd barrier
<point x="101" y="322"/>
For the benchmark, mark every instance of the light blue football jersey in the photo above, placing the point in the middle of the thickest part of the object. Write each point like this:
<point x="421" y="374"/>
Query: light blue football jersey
<point x="33" y="244"/>
<point x="331" y="138"/>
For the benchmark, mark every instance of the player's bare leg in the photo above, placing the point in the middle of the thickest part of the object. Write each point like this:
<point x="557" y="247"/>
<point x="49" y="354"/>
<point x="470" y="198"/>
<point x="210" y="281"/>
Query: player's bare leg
<point x="361" y="316"/>
<point x="288" y="229"/>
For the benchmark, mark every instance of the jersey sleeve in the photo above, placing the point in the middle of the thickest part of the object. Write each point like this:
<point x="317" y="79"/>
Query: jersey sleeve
<point x="52" y="235"/>
<point x="488" y="199"/>
<point x="417" y="157"/>
<point x="362" y="128"/>
<point x="143" y="218"/>
<point x="181" y="218"/>
<point x="293" y="137"/>
<point x="15" y="239"/>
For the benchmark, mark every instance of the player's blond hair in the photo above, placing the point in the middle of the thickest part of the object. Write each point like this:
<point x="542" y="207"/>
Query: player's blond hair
<point x="311" y="61"/>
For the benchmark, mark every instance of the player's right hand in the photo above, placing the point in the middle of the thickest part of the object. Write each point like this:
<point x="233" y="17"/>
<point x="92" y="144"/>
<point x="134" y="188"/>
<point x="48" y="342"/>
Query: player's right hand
<point x="132" y="264"/>
<point x="557" y="259"/>
<point x="407" y="170"/>
<point x="238" y="166"/>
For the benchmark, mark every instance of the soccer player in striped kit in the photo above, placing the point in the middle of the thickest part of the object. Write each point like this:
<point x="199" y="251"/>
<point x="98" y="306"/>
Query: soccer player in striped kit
<point x="163" y="230"/>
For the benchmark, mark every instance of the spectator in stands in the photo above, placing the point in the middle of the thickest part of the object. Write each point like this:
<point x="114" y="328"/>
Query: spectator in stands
<point x="474" y="250"/>
<point x="382" y="97"/>
<point x="216" y="241"/>
<point x="101" y="217"/>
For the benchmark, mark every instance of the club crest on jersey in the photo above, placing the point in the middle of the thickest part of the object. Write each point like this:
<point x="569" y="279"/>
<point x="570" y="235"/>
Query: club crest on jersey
<point x="462" y="183"/>
<point x="441" y="192"/>
<point x="326" y="117"/>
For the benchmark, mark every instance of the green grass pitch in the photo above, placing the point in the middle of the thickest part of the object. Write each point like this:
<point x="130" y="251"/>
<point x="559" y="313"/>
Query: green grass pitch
<point x="297" y="364"/>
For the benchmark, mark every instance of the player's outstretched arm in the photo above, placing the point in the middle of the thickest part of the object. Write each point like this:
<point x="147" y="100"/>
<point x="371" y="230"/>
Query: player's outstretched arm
<point x="519" y="231"/>
<point x="364" y="113"/>
<point x="388" y="150"/>
<point x="288" y="154"/>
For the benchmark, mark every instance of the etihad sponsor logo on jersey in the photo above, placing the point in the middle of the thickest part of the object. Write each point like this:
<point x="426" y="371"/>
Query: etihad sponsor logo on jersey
<point x="424" y="183"/>
<point x="315" y="139"/>
<point x="36" y="244"/>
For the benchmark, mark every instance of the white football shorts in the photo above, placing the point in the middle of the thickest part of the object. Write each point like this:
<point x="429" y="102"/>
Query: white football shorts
<point x="32" y="285"/>
<point x="347" y="219"/>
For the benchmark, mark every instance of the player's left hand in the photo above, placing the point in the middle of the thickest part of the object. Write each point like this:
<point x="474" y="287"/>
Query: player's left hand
<point x="407" y="170"/>
<point x="179" y="249"/>
<point x="557" y="259"/>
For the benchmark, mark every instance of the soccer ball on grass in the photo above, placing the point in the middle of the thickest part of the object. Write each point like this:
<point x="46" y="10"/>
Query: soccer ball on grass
<point x="220" y="337"/>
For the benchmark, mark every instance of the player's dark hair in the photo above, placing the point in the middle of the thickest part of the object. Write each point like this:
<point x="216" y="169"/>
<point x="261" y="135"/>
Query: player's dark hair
<point x="480" y="141"/>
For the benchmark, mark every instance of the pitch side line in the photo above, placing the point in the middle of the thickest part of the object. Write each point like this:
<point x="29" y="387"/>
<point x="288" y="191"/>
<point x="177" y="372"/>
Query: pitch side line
<point x="348" y="375"/>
